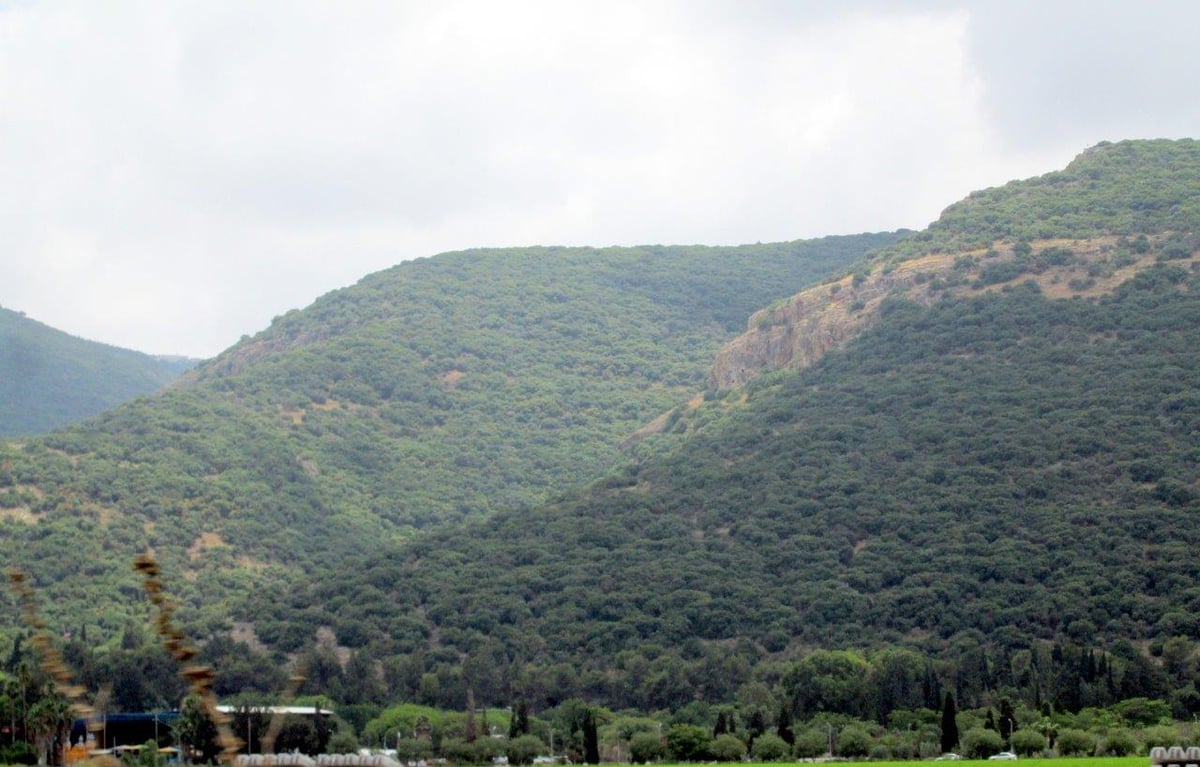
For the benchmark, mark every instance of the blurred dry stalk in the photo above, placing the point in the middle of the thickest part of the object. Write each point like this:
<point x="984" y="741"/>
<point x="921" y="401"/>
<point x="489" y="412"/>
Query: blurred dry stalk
<point x="200" y="678"/>
<point x="268" y="740"/>
<point x="49" y="657"/>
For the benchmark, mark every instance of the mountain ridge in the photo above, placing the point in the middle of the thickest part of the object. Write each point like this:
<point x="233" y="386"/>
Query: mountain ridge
<point x="50" y="379"/>
<point x="1147" y="192"/>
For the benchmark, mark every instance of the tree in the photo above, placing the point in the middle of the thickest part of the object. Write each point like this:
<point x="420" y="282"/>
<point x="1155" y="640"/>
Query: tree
<point x="519" y="723"/>
<point x="769" y="748"/>
<point x="1008" y="719"/>
<point x="949" y="724"/>
<point x="523" y="748"/>
<point x="1072" y="742"/>
<point x="980" y="743"/>
<point x="195" y="731"/>
<point x="49" y="722"/>
<point x="688" y="742"/>
<point x="1028" y="742"/>
<point x="591" y="742"/>
<point x="853" y="740"/>
<point x="470" y="728"/>
<point x="646" y="747"/>
<point x="783" y="723"/>
<point x="727" y="748"/>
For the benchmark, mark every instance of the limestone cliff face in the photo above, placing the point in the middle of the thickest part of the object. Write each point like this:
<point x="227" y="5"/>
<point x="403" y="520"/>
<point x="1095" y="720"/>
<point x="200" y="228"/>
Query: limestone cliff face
<point x="809" y="324"/>
<point x="817" y="320"/>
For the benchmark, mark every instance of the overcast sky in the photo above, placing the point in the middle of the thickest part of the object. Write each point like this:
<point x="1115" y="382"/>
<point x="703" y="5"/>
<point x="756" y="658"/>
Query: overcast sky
<point x="175" y="174"/>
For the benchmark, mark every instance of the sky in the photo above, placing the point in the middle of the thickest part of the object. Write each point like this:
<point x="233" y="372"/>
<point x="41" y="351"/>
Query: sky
<point x="176" y="174"/>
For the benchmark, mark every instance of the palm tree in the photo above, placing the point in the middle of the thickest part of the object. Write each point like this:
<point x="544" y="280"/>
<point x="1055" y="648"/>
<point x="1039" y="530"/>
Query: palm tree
<point x="50" y="723"/>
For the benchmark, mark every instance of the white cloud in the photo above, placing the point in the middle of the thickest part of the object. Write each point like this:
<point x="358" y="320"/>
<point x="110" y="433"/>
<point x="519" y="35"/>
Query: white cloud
<point x="178" y="173"/>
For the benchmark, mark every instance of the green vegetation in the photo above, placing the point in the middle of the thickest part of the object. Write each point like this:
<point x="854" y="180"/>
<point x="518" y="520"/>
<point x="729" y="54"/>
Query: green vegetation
<point x="924" y="489"/>
<point x="440" y="390"/>
<point x="975" y="523"/>
<point x="49" y="379"/>
<point x="1125" y="188"/>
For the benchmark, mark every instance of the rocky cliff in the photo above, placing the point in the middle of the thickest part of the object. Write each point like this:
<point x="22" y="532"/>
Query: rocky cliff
<point x="798" y="332"/>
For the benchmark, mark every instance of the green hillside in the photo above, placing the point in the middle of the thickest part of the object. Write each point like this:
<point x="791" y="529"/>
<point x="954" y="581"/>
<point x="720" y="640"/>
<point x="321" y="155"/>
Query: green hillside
<point x="974" y="479"/>
<point x="49" y="379"/>
<point x="439" y="390"/>
<point x="981" y="476"/>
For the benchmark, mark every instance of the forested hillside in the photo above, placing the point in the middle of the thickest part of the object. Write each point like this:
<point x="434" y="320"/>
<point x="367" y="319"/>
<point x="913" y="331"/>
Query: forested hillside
<point x="49" y="379"/>
<point x="440" y="390"/>
<point x="963" y="463"/>
<point x="986" y="471"/>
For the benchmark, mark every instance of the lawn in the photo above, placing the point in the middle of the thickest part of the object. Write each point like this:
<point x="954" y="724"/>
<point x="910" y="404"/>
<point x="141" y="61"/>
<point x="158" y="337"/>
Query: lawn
<point x="1083" y="761"/>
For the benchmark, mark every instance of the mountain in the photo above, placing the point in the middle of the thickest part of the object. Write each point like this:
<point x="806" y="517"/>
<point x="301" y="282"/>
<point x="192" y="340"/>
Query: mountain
<point x="962" y="459"/>
<point x="440" y="390"/>
<point x="976" y="445"/>
<point x="49" y="379"/>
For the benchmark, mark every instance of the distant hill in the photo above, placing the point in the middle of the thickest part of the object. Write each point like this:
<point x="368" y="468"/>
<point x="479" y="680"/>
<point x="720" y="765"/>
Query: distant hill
<point x="440" y="390"/>
<point x="967" y="454"/>
<point x="49" y="379"/>
<point x="984" y="454"/>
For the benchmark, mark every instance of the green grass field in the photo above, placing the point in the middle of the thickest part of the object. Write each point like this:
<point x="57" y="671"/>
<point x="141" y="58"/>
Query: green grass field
<point x="1086" y="761"/>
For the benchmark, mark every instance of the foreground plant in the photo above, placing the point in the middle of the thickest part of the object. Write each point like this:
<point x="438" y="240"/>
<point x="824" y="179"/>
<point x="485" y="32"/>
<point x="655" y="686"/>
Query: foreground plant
<point x="200" y="678"/>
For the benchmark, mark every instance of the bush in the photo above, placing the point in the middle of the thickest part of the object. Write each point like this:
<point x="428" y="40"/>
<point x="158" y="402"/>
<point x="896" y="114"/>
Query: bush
<point x="811" y="743"/>
<point x="1028" y="742"/>
<point x="523" y="749"/>
<point x="1165" y="735"/>
<point x="413" y="749"/>
<point x="18" y="753"/>
<point x="980" y="743"/>
<point x="727" y="748"/>
<point x="458" y="751"/>
<point x="769" y="747"/>
<point x="1118" y="742"/>
<point x="1075" y="743"/>
<point x="688" y="742"/>
<point x="853" y="741"/>
<point x="646" y="747"/>
<point x="342" y="742"/>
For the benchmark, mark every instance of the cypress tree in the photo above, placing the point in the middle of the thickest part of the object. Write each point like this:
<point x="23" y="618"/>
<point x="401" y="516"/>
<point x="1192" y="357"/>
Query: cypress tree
<point x="591" y="742"/>
<point x="721" y="727"/>
<point x="949" y="725"/>
<point x="1008" y="719"/>
<point x="470" y="730"/>
<point x="783" y="725"/>
<point x="518" y="725"/>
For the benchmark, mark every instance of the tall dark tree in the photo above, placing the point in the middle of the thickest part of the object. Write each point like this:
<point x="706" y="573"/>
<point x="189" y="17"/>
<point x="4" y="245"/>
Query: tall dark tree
<point x="721" y="727"/>
<point x="949" y="724"/>
<point x="783" y="724"/>
<point x="1008" y="719"/>
<point x="756" y="727"/>
<point x="591" y="741"/>
<point x="470" y="729"/>
<point x="519" y="724"/>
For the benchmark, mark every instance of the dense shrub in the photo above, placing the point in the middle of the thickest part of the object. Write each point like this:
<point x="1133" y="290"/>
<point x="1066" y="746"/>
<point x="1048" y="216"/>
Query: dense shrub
<point x="1075" y="743"/>
<point x="727" y="748"/>
<point x="646" y="747"/>
<point x="980" y="743"/>
<point x="853" y="741"/>
<point x="1028" y="742"/>
<point x="1119" y="742"/>
<point x="769" y="747"/>
<point x="811" y="743"/>
<point x="688" y="742"/>
<point x="523" y="749"/>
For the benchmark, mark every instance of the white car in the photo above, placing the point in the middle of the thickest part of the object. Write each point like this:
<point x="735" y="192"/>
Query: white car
<point x="948" y="757"/>
<point x="1003" y="756"/>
